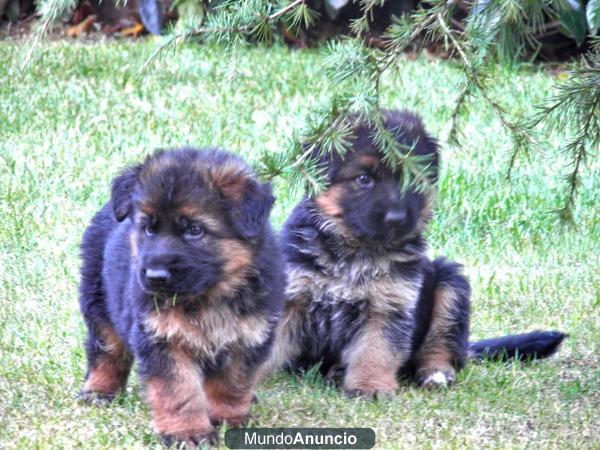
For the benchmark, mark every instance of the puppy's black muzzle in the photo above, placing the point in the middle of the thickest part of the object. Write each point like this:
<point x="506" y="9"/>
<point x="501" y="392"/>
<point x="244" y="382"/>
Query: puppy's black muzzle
<point x="396" y="217"/>
<point x="156" y="278"/>
<point x="174" y="269"/>
<point x="159" y="271"/>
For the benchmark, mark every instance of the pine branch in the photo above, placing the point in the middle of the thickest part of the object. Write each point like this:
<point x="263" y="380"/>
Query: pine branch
<point x="575" y="109"/>
<point x="307" y="147"/>
<point x="459" y="106"/>
<point x="322" y="141"/>
<point x="398" y="38"/>
<point x="417" y="172"/>
<point x="231" y="24"/>
<point x="361" y="24"/>
<point x="285" y="10"/>
<point x="475" y="80"/>
<point x="50" y="11"/>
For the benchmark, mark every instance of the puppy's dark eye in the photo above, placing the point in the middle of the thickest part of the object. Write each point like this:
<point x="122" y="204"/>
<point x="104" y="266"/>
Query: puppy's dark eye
<point x="194" y="231"/>
<point x="365" y="180"/>
<point x="148" y="229"/>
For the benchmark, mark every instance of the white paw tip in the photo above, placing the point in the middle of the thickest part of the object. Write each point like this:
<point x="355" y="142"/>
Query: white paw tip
<point x="436" y="378"/>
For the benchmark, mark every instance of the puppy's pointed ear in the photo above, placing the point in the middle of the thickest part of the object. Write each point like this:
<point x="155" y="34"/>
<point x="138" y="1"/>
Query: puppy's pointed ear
<point x="250" y="214"/>
<point x="122" y="190"/>
<point x="249" y="201"/>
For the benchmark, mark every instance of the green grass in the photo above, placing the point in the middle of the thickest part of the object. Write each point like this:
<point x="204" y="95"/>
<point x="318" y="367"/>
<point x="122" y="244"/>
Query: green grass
<point x="72" y="119"/>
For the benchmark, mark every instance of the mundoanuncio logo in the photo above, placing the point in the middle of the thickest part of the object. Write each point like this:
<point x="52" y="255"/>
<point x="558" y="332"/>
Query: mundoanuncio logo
<point x="300" y="438"/>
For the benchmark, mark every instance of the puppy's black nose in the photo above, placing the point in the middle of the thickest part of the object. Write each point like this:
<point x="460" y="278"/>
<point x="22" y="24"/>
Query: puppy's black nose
<point x="395" y="216"/>
<point x="157" y="276"/>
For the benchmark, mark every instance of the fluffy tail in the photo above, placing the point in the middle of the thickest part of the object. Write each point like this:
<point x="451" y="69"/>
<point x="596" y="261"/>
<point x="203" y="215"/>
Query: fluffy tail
<point x="524" y="347"/>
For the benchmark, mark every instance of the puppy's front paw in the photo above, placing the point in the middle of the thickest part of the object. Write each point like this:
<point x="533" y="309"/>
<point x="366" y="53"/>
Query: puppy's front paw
<point x="335" y="375"/>
<point x="95" y="398"/>
<point x="232" y="421"/>
<point x="370" y="394"/>
<point x="192" y="441"/>
<point x="435" y="378"/>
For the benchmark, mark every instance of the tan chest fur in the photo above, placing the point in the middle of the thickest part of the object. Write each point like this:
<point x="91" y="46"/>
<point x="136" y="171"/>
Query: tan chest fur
<point x="208" y="331"/>
<point x="358" y="280"/>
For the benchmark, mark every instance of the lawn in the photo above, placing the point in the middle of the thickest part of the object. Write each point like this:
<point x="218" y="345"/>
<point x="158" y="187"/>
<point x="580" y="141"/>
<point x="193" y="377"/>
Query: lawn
<point x="80" y="112"/>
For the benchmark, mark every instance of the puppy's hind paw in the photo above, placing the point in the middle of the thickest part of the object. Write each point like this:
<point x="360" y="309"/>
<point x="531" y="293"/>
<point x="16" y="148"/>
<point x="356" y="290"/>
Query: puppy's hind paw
<point x="435" y="378"/>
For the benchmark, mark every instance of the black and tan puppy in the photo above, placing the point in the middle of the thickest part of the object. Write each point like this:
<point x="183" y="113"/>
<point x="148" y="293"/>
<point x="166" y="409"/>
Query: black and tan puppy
<point x="182" y="274"/>
<point x="363" y="299"/>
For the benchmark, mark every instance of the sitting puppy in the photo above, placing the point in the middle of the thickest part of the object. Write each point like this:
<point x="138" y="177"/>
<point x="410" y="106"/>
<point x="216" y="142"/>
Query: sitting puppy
<point x="181" y="273"/>
<point x="363" y="299"/>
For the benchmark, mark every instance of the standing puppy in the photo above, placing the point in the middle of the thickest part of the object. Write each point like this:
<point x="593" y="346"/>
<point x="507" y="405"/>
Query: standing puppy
<point x="182" y="274"/>
<point x="364" y="300"/>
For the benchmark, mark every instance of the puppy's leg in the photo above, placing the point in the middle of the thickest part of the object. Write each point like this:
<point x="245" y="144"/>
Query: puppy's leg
<point x="109" y="364"/>
<point x="230" y="392"/>
<point x="372" y="362"/>
<point x="445" y="347"/>
<point x="108" y="361"/>
<point x="176" y="396"/>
